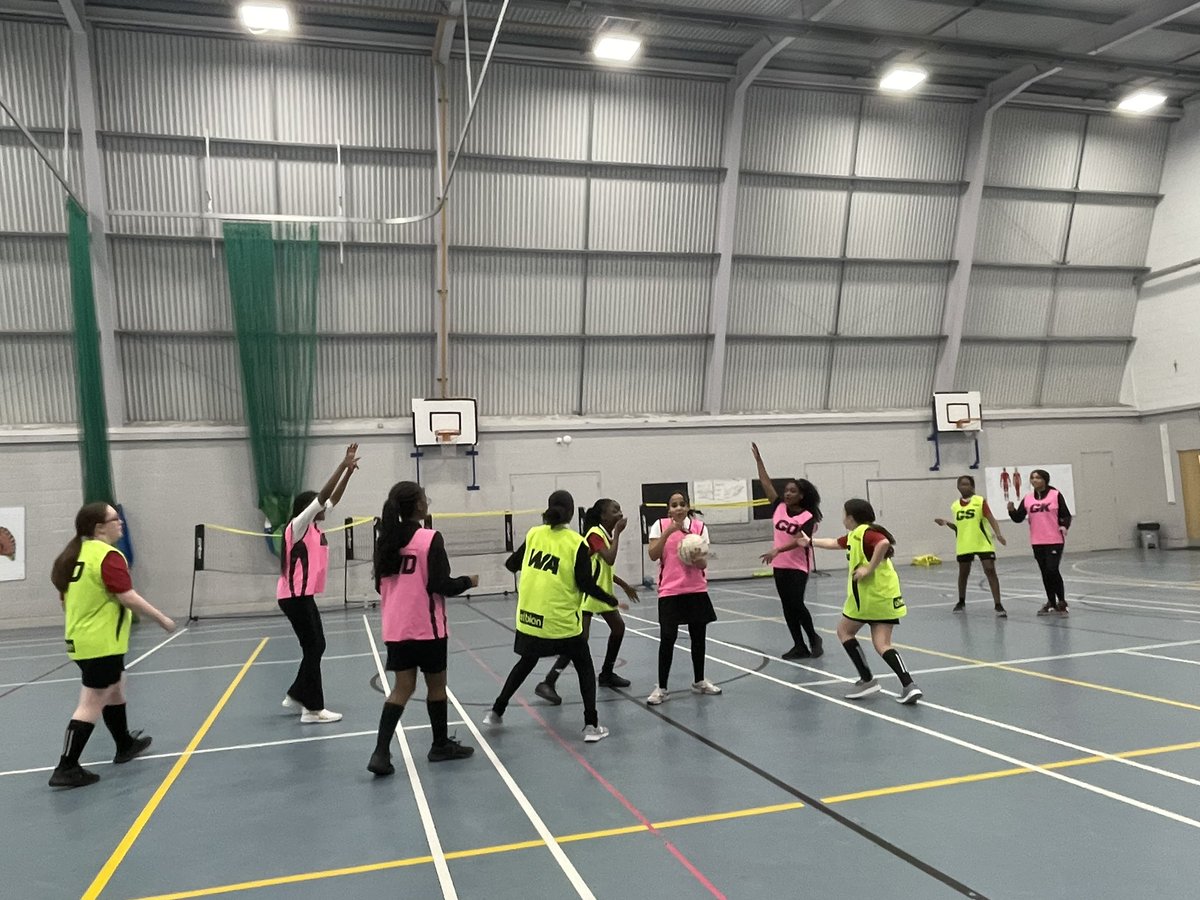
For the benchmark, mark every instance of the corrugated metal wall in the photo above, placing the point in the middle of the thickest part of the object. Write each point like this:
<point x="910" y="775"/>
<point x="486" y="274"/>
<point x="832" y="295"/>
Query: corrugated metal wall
<point x="798" y="375"/>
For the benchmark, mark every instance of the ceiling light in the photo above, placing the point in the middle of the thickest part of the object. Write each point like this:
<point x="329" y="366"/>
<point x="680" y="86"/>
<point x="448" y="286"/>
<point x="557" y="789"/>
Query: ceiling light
<point x="264" y="18"/>
<point x="902" y="78"/>
<point x="1142" y="101"/>
<point x="617" y="47"/>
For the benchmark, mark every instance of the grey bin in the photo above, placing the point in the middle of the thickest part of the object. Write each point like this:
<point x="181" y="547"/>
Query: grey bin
<point x="1148" y="535"/>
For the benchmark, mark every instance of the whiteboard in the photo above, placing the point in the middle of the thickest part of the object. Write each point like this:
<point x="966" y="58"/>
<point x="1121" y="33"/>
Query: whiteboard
<point x="722" y="490"/>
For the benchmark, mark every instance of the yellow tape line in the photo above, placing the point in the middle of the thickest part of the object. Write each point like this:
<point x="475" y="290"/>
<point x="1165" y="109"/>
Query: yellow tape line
<point x="355" y="521"/>
<point x="733" y="504"/>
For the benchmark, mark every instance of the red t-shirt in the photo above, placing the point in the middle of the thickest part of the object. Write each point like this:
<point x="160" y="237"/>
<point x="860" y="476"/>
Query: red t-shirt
<point x="595" y="543"/>
<point x="987" y="512"/>
<point x="871" y="540"/>
<point x="115" y="573"/>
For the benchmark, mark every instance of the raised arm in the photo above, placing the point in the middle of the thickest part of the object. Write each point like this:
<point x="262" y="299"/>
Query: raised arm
<point x="609" y="553"/>
<point x="336" y="485"/>
<point x="763" y="478"/>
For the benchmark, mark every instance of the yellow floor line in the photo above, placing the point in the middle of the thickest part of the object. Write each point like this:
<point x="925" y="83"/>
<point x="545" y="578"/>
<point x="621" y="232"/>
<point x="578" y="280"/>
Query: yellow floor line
<point x="110" y="867"/>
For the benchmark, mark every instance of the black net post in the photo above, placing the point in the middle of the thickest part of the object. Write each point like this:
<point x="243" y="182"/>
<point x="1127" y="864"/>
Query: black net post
<point x="197" y="566"/>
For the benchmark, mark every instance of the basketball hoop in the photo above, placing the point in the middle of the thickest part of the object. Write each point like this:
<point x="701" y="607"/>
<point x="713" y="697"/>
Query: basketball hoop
<point x="968" y="425"/>
<point x="447" y="435"/>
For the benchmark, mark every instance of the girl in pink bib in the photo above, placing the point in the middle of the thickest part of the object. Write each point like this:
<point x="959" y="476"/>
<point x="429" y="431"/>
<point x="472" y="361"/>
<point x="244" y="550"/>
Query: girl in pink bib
<point x="1049" y="521"/>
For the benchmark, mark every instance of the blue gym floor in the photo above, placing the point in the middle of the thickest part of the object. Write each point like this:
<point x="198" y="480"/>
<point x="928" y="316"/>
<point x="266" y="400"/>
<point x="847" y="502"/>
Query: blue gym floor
<point x="1051" y="758"/>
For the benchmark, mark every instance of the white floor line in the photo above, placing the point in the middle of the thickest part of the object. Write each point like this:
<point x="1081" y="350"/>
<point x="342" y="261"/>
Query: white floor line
<point x="431" y="835"/>
<point x="939" y="735"/>
<point x="1190" y="662"/>
<point x="179" y="632"/>
<point x="564" y="863"/>
<point x="200" y="752"/>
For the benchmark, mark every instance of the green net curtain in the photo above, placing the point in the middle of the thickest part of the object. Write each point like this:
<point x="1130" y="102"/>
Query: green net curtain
<point x="273" y="287"/>
<point x="89" y="379"/>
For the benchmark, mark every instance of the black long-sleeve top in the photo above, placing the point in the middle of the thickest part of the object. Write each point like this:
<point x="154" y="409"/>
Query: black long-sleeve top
<point x="440" y="579"/>
<point x="585" y="578"/>
<point x="1018" y="512"/>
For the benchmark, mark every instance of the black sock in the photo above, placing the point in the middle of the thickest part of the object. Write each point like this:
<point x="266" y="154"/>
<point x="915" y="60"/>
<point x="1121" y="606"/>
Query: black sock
<point x="74" y="741"/>
<point x="610" y="653"/>
<point x="437" y="720"/>
<point x="118" y="726"/>
<point x="856" y="657"/>
<point x="388" y="720"/>
<point x="892" y="658"/>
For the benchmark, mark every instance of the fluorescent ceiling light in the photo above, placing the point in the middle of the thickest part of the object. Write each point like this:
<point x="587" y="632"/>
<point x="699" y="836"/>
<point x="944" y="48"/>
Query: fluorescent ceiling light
<point x="902" y="78"/>
<point x="261" y="18"/>
<point x="1142" y="101"/>
<point x="618" y="47"/>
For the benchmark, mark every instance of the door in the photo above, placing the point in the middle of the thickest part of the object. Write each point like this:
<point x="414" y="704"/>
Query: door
<point x="1095" y="494"/>
<point x="1189" y="473"/>
<point x="529" y="492"/>
<point x="907" y="508"/>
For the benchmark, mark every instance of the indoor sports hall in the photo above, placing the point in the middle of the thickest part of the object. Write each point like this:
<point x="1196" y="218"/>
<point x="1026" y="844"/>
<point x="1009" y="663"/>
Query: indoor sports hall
<point x="649" y="448"/>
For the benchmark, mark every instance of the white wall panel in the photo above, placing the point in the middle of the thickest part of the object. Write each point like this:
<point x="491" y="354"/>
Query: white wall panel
<point x="799" y="132"/>
<point x="244" y="179"/>
<point x="1124" y="153"/>
<point x="170" y="285"/>
<point x="38" y="374"/>
<point x="308" y="182"/>
<point x="631" y="295"/>
<point x="775" y="376"/>
<point x="903" y="137"/>
<point x="1035" y="148"/>
<point x="788" y="217"/>
<point x="1017" y="228"/>
<point x="902" y="222"/>
<point x="518" y="377"/>
<point x="893" y="300"/>
<point x="1007" y="375"/>
<point x="370" y="379"/>
<point x="661" y="121"/>
<point x="653" y="211"/>
<point x="624" y="379"/>
<point x="769" y="297"/>
<point x="181" y="379"/>
<point x="33" y="199"/>
<point x="383" y="185"/>
<point x="32" y="64"/>
<point x="526" y="111"/>
<point x="881" y="375"/>
<point x="1094" y="303"/>
<point x="1083" y="374"/>
<point x="1111" y="231"/>
<point x="524" y="293"/>
<point x="35" y="285"/>
<point x="1009" y="302"/>
<point x="518" y="205"/>
<point x="380" y="290"/>
<point x="159" y="176"/>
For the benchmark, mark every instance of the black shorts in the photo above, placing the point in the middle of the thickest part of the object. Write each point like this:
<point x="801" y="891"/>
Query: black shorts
<point x="428" y="656"/>
<point x="686" y="609"/>
<point x="873" y="621"/>
<point x="967" y="557"/>
<point x="532" y="645"/>
<point x="101" y="671"/>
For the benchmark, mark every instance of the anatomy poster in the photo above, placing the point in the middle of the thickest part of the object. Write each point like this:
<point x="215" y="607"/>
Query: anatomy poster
<point x="12" y="543"/>
<point x="1005" y="484"/>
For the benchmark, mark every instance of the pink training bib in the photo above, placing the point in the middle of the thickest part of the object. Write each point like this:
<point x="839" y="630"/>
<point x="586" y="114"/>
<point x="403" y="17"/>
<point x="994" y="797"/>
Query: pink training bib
<point x="410" y="612"/>
<point x="674" y="577"/>
<point x="786" y="529"/>
<point x="306" y="564"/>
<point x="1043" y="518"/>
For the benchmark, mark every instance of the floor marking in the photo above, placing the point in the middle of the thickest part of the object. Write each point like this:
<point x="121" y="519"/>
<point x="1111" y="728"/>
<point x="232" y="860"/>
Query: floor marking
<point x="942" y="736"/>
<point x="431" y="835"/>
<point x="110" y="867"/>
<point x="1190" y="662"/>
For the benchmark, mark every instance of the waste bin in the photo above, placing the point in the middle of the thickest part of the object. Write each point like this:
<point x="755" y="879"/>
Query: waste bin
<point x="1148" y="535"/>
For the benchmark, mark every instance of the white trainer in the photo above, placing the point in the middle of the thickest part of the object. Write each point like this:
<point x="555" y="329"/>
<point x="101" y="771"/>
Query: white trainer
<point x="493" y="718"/>
<point x="593" y="733"/>
<point x="657" y="696"/>
<point x="289" y="703"/>
<point x="705" y="687"/>
<point x="319" y="717"/>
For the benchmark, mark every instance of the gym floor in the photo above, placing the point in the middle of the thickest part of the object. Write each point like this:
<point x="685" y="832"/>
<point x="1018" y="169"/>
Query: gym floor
<point x="1051" y="757"/>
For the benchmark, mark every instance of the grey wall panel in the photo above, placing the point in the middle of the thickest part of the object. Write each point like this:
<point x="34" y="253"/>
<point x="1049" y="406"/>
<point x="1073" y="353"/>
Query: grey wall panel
<point x="504" y="293"/>
<point x="797" y="298"/>
<point x="1083" y="374"/>
<point x="1115" y="231"/>
<point x="881" y="375"/>
<point x="518" y="205"/>
<point x="33" y="200"/>
<point x="181" y="379"/>
<point x="1035" y="148"/>
<point x="799" y="132"/>
<point x="1007" y="375"/>
<point x="664" y="121"/>
<point x="1008" y="302"/>
<point x="775" y="376"/>
<point x="517" y="377"/>
<point x="308" y="182"/>
<point x="1124" y="154"/>
<point x="158" y="176"/>
<point x="786" y="217"/>
<point x="170" y="285"/>
<point x="245" y="179"/>
<point x="391" y="185"/>
<point x="370" y="379"/>
<point x="631" y="378"/>
<point x="377" y="290"/>
<point x="38" y="374"/>
<point x="152" y="83"/>
<point x="1021" y="229"/>
<point x="902" y="222"/>
<point x="32" y="64"/>
<point x="907" y="138"/>
<point x="893" y="300"/>
<point x="35" y="285"/>
<point x="360" y="97"/>
<point x="1094" y="303"/>
<point x="653" y="211"/>
<point x="526" y="111"/>
<point x="628" y="295"/>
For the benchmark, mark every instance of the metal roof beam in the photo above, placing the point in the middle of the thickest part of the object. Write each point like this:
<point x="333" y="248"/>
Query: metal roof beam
<point x="1091" y="17"/>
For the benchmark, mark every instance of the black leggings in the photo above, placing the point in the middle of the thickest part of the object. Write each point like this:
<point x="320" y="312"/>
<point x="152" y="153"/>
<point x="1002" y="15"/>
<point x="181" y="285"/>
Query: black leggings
<point x="790" y="583"/>
<point x="1048" y="557"/>
<point x="666" y="650"/>
<point x="307" y="690"/>
<point x="578" y="656"/>
<point x="616" y="634"/>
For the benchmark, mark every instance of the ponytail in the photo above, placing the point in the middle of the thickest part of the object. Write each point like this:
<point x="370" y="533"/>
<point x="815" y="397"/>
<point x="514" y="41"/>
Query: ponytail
<point x="862" y="512"/>
<point x="87" y="520"/>
<point x="400" y="506"/>
<point x="560" y="509"/>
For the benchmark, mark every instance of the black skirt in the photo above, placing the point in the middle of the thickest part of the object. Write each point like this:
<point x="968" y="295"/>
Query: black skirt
<point x="532" y="645"/>
<point x="686" y="609"/>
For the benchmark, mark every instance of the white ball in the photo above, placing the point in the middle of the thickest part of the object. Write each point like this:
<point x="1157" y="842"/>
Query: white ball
<point x="558" y="440"/>
<point x="566" y="439"/>
<point x="691" y="549"/>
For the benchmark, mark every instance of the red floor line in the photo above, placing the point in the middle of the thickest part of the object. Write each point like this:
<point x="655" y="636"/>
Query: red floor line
<point x="608" y="786"/>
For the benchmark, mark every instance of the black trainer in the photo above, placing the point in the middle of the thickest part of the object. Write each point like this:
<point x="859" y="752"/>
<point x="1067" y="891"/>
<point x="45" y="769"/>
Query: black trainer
<point x="818" y="648"/>
<point x="452" y="749"/>
<point x="136" y="747"/>
<point x="546" y="691"/>
<point x="381" y="764"/>
<point x="72" y="777"/>
<point x="960" y="606"/>
<point x="612" y="680"/>
<point x="797" y="652"/>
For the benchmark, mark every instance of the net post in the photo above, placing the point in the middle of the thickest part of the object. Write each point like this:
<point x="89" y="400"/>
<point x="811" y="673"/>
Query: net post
<point x="197" y="566"/>
<point x="508" y="532"/>
<point x="348" y="537"/>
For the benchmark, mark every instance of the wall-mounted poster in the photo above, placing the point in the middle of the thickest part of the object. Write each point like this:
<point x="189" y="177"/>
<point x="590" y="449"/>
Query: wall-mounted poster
<point x="1005" y="484"/>
<point x="12" y="543"/>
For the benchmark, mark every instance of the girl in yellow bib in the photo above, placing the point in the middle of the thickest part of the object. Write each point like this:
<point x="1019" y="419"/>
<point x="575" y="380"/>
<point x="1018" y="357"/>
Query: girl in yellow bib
<point x="970" y="518"/>
<point x="92" y="578"/>
<point x="872" y="598"/>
